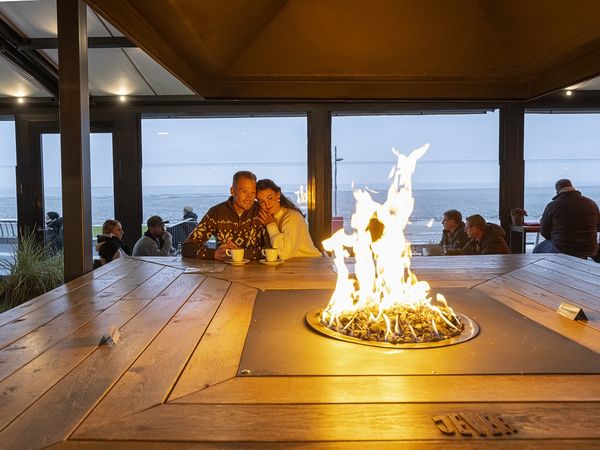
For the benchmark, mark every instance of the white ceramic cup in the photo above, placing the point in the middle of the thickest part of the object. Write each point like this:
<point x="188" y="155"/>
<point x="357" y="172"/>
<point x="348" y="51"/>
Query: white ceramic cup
<point x="270" y="254"/>
<point x="236" y="254"/>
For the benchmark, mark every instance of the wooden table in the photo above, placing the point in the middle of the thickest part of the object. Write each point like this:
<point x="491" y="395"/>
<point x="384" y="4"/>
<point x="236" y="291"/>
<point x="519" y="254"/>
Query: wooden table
<point x="518" y="237"/>
<point x="171" y="381"/>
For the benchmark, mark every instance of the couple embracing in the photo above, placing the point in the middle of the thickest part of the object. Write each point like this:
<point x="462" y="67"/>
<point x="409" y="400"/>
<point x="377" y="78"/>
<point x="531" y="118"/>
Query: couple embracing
<point x="256" y="216"/>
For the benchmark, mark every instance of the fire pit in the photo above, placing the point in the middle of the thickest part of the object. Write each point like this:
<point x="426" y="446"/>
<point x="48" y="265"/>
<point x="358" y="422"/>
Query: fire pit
<point x="383" y="303"/>
<point x="405" y="335"/>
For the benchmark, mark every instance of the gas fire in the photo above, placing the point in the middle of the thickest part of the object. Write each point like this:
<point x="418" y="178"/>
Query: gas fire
<point x="383" y="300"/>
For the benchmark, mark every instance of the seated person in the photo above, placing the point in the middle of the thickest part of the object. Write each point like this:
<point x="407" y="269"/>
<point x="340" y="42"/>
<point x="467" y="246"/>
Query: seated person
<point x="454" y="236"/>
<point x="156" y="241"/>
<point x="485" y="238"/>
<point x="570" y="223"/>
<point x="287" y="229"/>
<point x="234" y="223"/>
<point x="109" y="244"/>
<point x="189" y="214"/>
<point x="54" y="223"/>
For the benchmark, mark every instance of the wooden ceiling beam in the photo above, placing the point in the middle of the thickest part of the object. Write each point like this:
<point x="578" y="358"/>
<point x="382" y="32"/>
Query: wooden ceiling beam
<point x="30" y="61"/>
<point x="93" y="42"/>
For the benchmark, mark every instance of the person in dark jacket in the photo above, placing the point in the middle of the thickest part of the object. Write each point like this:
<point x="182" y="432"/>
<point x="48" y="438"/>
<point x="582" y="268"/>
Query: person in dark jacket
<point x="570" y="223"/>
<point x="54" y="223"/>
<point x="188" y="213"/>
<point x="485" y="238"/>
<point x="109" y="244"/>
<point x="454" y="236"/>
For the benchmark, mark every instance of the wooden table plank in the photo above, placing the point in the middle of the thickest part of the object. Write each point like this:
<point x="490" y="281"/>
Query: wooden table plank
<point x="65" y="405"/>
<point x="572" y="294"/>
<point x="151" y="377"/>
<point x="18" y="328"/>
<point x="56" y="392"/>
<point x="576" y="331"/>
<point x="156" y="283"/>
<point x="38" y="341"/>
<point x="33" y="304"/>
<point x="562" y="257"/>
<point x="565" y="279"/>
<point x="218" y="355"/>
<point x="299" y="423"/>
<point x="577" y="273"/>
<point x="400" y="389"/>
<point x="492" y="444"/>
<point x="30" y="382"/>
<point x="546" y="297"/>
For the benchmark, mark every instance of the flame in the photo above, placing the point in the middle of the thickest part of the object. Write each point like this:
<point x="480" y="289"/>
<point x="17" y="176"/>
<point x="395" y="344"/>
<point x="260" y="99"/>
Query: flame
<point x="301" y="196"/>
<point x="383" y="288"/>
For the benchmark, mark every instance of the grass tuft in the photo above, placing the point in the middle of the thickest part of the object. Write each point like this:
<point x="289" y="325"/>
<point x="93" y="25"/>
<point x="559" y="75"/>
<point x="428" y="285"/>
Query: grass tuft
<point x="32" y="270"/>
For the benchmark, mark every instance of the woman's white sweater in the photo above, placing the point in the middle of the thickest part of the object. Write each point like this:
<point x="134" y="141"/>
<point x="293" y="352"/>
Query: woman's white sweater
<point x="289" y="234"/>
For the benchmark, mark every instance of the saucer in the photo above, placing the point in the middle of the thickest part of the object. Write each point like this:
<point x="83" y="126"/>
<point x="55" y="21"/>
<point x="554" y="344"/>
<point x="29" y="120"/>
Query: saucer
<point x="271" y="263"/>
<point x="237" y="263"/>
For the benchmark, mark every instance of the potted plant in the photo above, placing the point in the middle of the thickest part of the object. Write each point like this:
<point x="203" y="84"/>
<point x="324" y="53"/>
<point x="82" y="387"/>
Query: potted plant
<point x="517" y="216"/>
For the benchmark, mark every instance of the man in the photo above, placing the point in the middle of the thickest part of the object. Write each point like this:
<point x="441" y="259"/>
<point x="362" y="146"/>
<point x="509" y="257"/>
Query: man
<point x="109" y="244"/>
<point x="485" y="238"/>
<point x="454" y="236"/>
<point x="189" y="214"/>
<point x="235" y="223"/>
<point x="156" y="241"/>
<point x="570" y="223"/>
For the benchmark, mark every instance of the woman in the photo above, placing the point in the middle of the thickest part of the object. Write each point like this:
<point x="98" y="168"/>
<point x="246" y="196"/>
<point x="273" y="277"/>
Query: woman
<point x="284" y="222"/>
<point x="110" y="246"/>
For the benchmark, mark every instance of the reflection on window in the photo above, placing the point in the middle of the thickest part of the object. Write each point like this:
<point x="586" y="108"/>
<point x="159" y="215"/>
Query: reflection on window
<point x="460" y="170"/>
<point x="190" y="162"/>
<point x="560" y="146"/>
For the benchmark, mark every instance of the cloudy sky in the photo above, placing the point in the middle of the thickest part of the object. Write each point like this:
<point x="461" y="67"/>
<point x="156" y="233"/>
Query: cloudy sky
<point x="463" y="152"/>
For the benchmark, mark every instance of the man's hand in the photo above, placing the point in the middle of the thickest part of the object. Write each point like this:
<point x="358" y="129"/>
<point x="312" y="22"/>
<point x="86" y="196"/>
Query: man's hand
<point x="265" y="218"/>
<point x="221" y="252"/>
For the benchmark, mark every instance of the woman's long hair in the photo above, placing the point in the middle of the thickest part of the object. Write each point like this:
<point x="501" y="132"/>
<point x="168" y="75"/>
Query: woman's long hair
<point x="265" y="183"/>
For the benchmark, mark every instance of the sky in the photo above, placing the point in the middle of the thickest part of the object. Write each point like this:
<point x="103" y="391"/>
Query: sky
<point x="463" y="152"/>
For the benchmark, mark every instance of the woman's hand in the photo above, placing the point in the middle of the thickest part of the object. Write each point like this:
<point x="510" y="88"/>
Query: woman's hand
<point x="265" y="218"/>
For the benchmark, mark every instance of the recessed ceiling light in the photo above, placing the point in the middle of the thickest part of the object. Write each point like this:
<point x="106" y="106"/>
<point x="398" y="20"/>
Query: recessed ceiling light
<point x="569" y="92"/>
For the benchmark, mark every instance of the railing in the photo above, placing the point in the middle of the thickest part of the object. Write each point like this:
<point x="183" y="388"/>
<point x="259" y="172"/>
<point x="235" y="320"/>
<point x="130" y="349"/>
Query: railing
<point x="181" y="230"/>
<point x="8" y="231"/>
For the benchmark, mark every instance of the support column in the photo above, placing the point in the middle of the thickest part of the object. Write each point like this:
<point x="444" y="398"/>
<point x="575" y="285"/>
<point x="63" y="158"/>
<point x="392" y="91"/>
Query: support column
<point x="29" y="177"/>
<point x="319" y="175"/>
<point x="127" y="161"/>
<point x="75" y="136"/>
<point x="512" y="167"/>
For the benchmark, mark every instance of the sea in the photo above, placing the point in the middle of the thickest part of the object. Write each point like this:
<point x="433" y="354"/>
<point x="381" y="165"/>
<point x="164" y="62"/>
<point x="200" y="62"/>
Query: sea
<point x="425" y="226"/>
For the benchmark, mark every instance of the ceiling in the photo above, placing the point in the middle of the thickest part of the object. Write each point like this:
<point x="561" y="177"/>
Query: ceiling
<point x="322" y="49"/>
<point x="356" y="49"/>
<point x="112" y="71"/>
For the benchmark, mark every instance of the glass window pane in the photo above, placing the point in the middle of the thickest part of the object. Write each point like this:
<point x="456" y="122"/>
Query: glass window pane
<point x="560" y="146"/>
<point x="101" y="166"/>
<point x="460" y="170"/>
<point x="8" y="189"/>
<point x="190" y="162"/>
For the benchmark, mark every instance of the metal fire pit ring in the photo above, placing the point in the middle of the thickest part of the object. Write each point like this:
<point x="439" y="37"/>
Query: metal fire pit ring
<point x="471" y="329"/>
